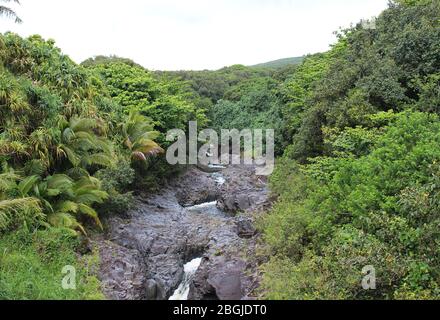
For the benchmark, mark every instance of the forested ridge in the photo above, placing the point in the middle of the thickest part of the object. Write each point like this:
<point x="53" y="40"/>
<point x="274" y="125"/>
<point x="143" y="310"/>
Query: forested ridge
<point x="356" y="182"/>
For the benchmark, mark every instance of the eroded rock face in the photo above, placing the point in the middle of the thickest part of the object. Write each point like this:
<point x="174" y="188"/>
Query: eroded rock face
<point x="196" y="187"/>
<point x="122" y="271"/>
<point x="219" y="278"/>
<point x="145" y="251"/>
<point x="244" y="191"/>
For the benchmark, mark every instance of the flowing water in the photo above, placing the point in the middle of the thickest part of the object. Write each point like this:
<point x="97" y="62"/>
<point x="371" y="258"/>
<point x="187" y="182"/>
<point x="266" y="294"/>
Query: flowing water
<point x="219" y="179"/>
<point x="165" y="234"/>
<point x="206" y="208"/>
<point x="190" y="269"/>
<point x="216" y="166"/>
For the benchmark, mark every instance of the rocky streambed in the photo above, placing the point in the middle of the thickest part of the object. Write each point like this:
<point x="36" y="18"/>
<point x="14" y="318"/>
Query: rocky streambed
<point x="193" y="240"/>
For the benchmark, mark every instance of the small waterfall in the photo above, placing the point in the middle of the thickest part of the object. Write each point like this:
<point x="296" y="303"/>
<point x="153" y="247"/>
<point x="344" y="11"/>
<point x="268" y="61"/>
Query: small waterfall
<point x="183" y="290"/>
<point x="191" y="267"/>
<point x="219" y="178"/>
<point x="205" y="208"/>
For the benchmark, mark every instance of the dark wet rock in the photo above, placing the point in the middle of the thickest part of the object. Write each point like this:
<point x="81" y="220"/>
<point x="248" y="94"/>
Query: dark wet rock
<point x="195" y="187"/>
<point x="150" y="289"/>
<point x="122" y="272"/>
<point x="244" y="191"/>
<point x="226" y="281"/>
<point x="220" y="277"/>
<point x="246" y="228"/>
<point x="146" y="250"/>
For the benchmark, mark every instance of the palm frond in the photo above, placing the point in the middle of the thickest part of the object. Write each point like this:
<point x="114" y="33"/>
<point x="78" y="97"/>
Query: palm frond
<point x="65" y="220"/>
<point x="82" y="124"/>
<point x="90" y="212"/>
<point x="67" y="206"/>
<point x="16" y="211"/>
<point x="91" y="197"/>
<point x="100" y="159"/>
<point x="72" y="156"/>
<point x="68" y="135"/>
<point x="140" y="156"/>
<point x="59" y="181"/>
<point x="35" y="167"/>
<point x="26" y="185"/>
<point x="9" y="13"/>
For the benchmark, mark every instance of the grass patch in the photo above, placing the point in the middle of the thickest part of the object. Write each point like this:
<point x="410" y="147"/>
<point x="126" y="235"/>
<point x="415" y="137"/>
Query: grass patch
<point x="31" y="266"/>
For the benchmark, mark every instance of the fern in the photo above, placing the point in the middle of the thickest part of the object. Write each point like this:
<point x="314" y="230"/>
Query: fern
<point x="100" y="159"/>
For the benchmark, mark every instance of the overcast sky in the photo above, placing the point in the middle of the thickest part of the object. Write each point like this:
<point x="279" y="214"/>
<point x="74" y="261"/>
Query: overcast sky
<point x="191" y="34"/>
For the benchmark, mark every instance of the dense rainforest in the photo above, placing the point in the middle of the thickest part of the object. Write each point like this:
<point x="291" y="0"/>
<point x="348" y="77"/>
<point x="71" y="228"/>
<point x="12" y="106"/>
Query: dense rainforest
<point x="75" y="142"/>
<point x="356" y="182"/>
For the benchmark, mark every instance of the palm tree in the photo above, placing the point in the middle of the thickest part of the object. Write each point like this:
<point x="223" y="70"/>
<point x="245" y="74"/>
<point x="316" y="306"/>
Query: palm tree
<point x="8" y="12"/>
<point x="64" y="199"/>
<point x="82" y="146"/>
<point x="139" y="137"/>
<point x="74" y="198"/>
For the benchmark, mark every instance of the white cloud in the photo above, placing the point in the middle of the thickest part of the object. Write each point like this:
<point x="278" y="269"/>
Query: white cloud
<point x="191" y="34"/>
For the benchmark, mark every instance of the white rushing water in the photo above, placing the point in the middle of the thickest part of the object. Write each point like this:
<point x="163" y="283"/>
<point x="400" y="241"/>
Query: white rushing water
<point x="216" y="166"/>
<point x="205" y="208"/>
<point x="183" y="290"/>
<point x="219" y="178"/>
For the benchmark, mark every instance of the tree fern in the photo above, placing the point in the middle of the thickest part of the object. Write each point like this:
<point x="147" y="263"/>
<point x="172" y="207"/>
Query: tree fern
<point x="101" y="159"/>
<point x="90" y="212"/>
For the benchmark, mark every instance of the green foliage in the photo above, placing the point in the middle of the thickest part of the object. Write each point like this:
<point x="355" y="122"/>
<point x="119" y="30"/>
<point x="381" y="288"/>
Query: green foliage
<point x="58" y="127"/>
<point x="20" y="210"/>
<point x="359" y="185"/>
<point x="353" y="208"/>
<point x="251" y="104"/>
<point x="136" y="89"/>
<point x="116" y="182"/>
<point x="213" y="85"/>
<point x="31" y="266"/>
<point x="138" y="136"/>
<point x="393" y="66"/>
<point x="280" y="63"/>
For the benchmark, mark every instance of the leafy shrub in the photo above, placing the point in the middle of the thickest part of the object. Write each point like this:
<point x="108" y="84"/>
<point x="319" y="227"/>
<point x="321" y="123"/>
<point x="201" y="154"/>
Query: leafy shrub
<point x="379" y="209"/>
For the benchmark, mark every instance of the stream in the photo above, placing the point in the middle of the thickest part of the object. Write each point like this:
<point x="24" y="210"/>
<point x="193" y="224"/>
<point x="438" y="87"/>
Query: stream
<point x="193" y="240"/>
<point x="191" y="267"/>
<point x="190" y="270"/>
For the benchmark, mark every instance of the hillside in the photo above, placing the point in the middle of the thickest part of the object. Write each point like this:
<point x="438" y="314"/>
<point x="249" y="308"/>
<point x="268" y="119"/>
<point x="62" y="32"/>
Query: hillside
<point x="280" y="63"/>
